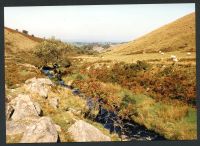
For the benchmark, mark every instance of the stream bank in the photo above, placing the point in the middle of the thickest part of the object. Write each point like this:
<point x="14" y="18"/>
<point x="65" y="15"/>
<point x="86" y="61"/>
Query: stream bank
<point x="126" y="129"/>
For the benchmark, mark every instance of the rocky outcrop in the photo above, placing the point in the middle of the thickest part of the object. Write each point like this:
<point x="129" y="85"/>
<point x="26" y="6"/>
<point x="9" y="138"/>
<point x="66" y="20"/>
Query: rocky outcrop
<point x="23" y="114"/>
<point x="81" y="131"/>
<point x="39" y="86"/>
<point x="41" y="131"/>
<point x="24" y="107"/>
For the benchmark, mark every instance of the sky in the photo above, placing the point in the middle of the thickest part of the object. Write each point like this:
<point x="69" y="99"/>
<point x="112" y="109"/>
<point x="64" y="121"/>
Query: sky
<point x="95" y="23"/>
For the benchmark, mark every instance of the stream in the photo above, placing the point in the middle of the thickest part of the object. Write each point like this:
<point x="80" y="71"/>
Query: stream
<point x="126" y="129"/>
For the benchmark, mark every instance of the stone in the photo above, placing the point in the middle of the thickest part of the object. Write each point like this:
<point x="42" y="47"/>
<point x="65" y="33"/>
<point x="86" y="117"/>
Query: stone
<point x="39" y="80"/>
<point x="81" y="131"/>
<point x="13" y="128"/>
<point x="19" y="127"/>
<point x="53" y="102"/>
<point x="42" y="131"/>
<point x="39" y="86"/>
<point x="24" y="107"/>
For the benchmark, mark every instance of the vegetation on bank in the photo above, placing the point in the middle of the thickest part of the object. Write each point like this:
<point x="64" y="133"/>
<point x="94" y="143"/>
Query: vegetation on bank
<point x="134" y="90"/>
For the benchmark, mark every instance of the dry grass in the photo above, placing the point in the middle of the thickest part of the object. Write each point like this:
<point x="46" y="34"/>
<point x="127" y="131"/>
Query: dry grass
<point x="175" y="122"/>
<point x="178" y="35"/>
<point x="157" y="58"/>
<point x="16" y="73"/>
<point x="17" y="42"/>
<point x="173" y="119"/>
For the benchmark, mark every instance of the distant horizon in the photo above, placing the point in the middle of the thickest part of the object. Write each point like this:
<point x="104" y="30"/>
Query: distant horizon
<point x="94" y="23"/>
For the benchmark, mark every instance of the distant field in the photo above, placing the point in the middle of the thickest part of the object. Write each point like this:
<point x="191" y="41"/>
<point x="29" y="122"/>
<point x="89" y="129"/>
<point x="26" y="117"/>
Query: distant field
<point x="151" y="57"/>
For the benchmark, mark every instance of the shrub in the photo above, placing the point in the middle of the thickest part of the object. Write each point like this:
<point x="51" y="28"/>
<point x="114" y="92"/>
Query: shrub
<point x="25" y="31"/>
<point x="51" y="51"/>
<point x="140" y="65"/>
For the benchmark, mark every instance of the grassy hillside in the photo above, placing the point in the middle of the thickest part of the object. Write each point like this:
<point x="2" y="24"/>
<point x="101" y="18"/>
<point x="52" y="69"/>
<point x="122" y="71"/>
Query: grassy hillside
<point x="16" y="41"/>
<point x="178" y="35"/>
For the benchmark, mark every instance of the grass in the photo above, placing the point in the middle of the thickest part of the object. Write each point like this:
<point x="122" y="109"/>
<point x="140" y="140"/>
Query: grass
<point x="75" y="76"/>
<point x="157" y="58"/>
<point x="178" y="35"/>
<point x="174" y="120"/>
<point x="16" y="73"/>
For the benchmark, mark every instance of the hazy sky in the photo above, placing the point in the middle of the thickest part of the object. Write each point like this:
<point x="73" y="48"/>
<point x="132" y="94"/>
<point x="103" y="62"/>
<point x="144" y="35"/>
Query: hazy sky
<point x="116" y="23"/>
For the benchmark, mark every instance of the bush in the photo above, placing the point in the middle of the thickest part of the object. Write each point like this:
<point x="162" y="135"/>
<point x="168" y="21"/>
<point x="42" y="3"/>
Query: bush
<point x="65" y="63"/>
<point x="140" y="65"/>
<point x="51" y="51"/>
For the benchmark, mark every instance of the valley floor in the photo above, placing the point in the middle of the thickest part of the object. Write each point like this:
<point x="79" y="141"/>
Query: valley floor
<point x="183" y="57"/>
<point x="133" y="88"/>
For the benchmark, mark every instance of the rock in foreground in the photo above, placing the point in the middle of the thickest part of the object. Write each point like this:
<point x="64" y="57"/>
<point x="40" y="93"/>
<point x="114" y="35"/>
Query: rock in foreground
<point x="24" y="107"/>
<point x="81" y="131"/>
<point x="39" y="86"/>
<point x="42" y="131"/>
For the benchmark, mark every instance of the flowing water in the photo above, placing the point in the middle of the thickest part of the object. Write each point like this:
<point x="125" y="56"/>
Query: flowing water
<point x="126" y="129"/>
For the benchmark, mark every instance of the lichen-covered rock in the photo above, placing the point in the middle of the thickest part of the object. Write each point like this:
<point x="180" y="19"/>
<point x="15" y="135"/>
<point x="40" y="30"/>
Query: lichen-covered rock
<point x="81" y="131"/>
<point x="13" y="128"/>
<point x="39" y="86"/>
<point x="41" y="131"/>
<point x="19" y="127"/>
<point x="24" y="107"/>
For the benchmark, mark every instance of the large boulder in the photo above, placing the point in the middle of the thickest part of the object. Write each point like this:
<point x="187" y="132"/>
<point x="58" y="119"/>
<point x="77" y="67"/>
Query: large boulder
<point x="43" y="130"/>
<point x="13" y="127"/>
<point x="19" y="127"/>
<point x="81" y="131"/>
<point x="24" y="107"/>
<point x="39" y="86"/>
